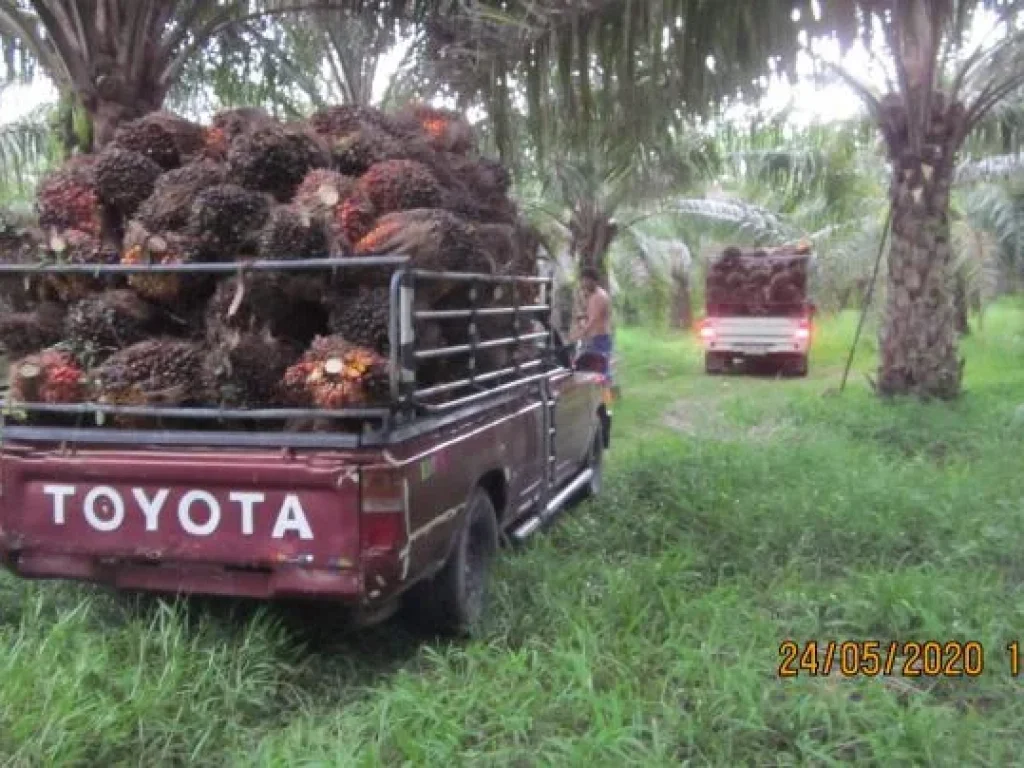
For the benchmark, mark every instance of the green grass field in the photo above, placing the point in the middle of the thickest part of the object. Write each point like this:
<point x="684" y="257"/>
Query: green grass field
<point x="644" y="629"/>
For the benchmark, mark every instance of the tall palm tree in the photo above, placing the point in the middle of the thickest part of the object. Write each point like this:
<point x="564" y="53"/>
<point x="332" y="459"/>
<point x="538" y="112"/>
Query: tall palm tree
<point x="121" y="57"/>
<point x="941" y="91"/>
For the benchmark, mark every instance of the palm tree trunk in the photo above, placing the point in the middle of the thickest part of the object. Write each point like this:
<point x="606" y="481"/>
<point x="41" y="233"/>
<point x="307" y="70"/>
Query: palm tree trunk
<point x="593" y="233"/>
<point x="963" y="325"/>
<point x="919" y="333"/>
<point x="682" y="304"/>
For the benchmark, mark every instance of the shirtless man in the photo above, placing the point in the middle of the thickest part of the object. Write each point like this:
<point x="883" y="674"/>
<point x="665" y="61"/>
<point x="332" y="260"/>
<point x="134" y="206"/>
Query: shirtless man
<point x="595" y="329"/>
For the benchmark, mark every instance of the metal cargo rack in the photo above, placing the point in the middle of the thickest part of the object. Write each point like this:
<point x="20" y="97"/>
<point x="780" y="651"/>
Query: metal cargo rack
<point x="410" y="404"/>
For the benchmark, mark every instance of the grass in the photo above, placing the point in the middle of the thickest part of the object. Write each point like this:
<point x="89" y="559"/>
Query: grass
<point x="644" y="629"/>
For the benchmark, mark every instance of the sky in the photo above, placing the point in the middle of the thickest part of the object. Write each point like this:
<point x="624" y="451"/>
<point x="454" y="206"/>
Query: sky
<point x="808" y="99"/>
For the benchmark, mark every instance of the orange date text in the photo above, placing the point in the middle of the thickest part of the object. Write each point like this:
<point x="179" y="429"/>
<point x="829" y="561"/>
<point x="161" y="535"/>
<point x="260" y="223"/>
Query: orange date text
<point x="874" y="658"/>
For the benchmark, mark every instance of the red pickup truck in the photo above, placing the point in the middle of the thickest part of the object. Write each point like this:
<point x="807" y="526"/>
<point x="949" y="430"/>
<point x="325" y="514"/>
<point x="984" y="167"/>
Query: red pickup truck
<point x="407" y="502"/>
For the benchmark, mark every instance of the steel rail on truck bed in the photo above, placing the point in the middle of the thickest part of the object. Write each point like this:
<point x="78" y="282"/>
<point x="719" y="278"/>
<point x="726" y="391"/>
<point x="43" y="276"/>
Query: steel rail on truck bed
<point x="409" y="406"/>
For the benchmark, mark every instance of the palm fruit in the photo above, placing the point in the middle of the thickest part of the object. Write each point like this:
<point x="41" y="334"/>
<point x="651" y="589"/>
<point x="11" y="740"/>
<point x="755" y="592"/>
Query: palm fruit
<point x="335" y="122"/>
<point x="159" y="371"/>
<point x="234" y="122"/>
<point x="166" y="139"/>
<point x="291" y="233"/>
<point x="355" y="153"/>
<point x="168" y="208"/>
<point x="290" y="308"/>
<point x="445" y="130"/>
<point x="244" y="370"/>
<point x="109" y="321"/>
<point x="275" y="159"/>
<point x="227" y="220"/>
<point x="125" y="178"/>
<point x="22" y="333"/>
<point x="20" y="243"/>
<point x="322" y="192"/>
<point x="67" y="198"/>
<point x="51" y="376"/>
<point x="141" y="247"/>
<point x="362" y="316"/>
<point x="74" y="247"/>
<point x="356" y="217"/>
<point x="400" y="185"/>
<point x="335" y="373"/>
<point x="228" y="125"/>
<point x="432" y="238"/>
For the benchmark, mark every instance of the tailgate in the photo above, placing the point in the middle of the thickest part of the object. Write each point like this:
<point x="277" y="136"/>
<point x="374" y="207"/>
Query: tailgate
<point x="252" y="509"/>
<point x="755" y="331"/>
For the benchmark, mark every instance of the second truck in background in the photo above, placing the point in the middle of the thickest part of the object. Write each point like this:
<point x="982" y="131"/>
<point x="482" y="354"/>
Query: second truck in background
<point x="758" y="309"/>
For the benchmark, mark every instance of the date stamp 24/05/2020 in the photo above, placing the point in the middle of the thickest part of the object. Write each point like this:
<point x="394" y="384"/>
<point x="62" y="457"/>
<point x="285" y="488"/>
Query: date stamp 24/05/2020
<point x="875" y="658"/>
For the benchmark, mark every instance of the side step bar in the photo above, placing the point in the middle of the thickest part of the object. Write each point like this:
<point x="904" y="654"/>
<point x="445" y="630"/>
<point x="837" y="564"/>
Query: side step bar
<point x="553" y="508"/>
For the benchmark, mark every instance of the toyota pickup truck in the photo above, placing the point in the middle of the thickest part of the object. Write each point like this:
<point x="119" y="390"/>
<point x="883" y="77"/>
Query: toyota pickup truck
<point x="403" y="503"/>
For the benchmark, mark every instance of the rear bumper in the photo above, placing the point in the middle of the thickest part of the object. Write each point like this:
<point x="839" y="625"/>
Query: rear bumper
<point x="757" y="350"/>
<point x="285" y="581"/>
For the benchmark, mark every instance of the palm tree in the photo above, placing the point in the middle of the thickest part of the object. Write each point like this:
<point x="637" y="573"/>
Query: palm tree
<point x="701" y="52"/>
<point x="121" y="57"/>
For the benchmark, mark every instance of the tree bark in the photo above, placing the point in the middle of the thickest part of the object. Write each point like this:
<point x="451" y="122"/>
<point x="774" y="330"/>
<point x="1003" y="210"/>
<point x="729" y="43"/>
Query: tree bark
<point x="919" y="333"/>
<point x="963" y="324"/>
<point x="682" y="305"/>
<point x="592" y="233"/>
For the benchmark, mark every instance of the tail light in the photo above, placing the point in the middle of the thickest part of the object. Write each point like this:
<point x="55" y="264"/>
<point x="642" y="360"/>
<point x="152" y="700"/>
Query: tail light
<point x="384" y="502"/>
<point x="803" y="330"/>
<point x="707" y="331"/>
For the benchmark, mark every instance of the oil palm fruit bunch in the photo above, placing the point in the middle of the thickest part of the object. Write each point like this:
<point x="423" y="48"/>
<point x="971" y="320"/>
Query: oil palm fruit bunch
<point x="124" y="179"/>
<point x="446" y="131"/>
<point x="75" y="247"/>
<point x="169" y="207"/>
<point x="400" y="185"/>
<point x="155" y="372"/>
<point x="361" y="315"/>
<point x="117" y="318"/>
<point x="227" y="219"/>
<point x="334" y="373"/>
<point x="289" y="307"/>
<point x="67" y="198"/>
<point x="322" y="194"/>
<point x="143" y="248"/>
<point x="22" y="333"/>
<point x="166" y="139"/>
<point x="275" y="159"/>
<point x="245" y="369"/>
<point x="51" y="376"/>
<point x="356" y="152"/>
<point x="292" y="233"/>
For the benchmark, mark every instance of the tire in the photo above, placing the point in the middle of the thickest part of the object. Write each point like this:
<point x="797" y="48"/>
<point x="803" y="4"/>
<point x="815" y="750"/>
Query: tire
<point x="453" y="600"/>
<point x="801" y="366"/>
<point x="714" y="363"/>
<point x="595" y="461"/>
<point x="795" y="365"/>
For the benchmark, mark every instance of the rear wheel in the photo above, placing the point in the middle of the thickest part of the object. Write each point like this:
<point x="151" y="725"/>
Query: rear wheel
<point x="453" y="600"/>
<point x="714" y="362"/>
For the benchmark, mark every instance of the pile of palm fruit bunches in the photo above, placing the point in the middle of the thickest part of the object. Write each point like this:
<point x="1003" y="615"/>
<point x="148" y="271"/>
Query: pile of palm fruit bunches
<point x="759" y="281"/>
<point x="349" y="181"/>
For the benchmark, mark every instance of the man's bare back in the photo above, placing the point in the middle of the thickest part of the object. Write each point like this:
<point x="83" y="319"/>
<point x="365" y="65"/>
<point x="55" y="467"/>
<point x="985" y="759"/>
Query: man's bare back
<point x="598" y="319"/>
<point x="599" y="316"/>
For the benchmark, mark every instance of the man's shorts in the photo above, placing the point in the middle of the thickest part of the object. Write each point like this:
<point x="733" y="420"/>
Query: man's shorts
<point x="597" y="352"/>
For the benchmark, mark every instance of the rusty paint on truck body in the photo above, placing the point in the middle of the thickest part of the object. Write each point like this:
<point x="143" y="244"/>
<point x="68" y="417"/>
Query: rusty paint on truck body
<point x="357" y="526"/>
